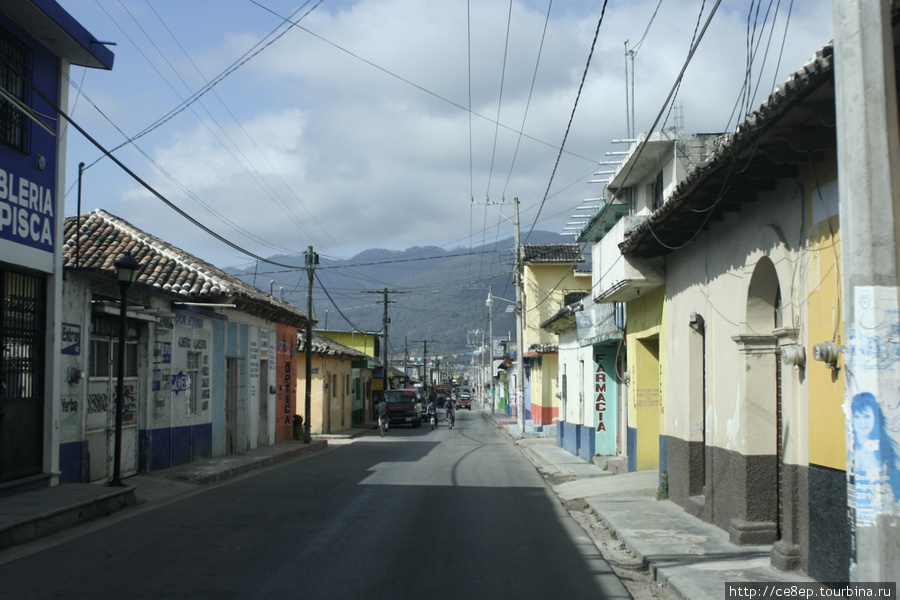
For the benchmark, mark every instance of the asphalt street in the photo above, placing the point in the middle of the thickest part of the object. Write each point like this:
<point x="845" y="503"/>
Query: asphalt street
<point x="419" y="513"/>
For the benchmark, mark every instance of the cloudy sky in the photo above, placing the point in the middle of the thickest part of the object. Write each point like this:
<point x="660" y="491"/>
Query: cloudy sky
<point x="397" y="123"/>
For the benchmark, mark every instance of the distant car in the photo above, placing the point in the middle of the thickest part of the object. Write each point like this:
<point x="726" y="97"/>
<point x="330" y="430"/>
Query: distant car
<point x="464" y="401"/>
<point x="404" y="407"/>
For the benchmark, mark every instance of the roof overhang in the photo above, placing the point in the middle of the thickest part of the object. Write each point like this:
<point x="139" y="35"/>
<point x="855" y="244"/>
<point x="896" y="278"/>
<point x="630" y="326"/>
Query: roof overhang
<point x="50" y="24"/>
<point x="794" y="126"/>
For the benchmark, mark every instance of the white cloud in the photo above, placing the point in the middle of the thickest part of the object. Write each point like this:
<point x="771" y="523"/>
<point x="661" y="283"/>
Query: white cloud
<point x="356" y="157"/>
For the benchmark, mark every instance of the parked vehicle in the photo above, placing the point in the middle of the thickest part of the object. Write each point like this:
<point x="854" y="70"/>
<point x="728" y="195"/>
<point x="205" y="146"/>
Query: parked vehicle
<point x="404" y="407"/>
<point x="464" y="401"/>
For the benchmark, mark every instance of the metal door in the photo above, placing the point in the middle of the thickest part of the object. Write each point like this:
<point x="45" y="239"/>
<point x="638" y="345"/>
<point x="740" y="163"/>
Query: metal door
<point x="101" y="403"/>
<point x="22" y="350"/>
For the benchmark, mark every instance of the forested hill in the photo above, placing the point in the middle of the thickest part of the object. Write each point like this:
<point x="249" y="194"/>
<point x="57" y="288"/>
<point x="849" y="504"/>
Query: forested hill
<point x="434" y="294"/>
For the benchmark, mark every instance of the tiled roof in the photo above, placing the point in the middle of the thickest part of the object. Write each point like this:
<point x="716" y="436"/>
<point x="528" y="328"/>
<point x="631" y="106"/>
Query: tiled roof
<point x="552" y="253"/>
<point x="795" y="124"/>
<point x="102" y="238"/>
<point x="324" y="345"/>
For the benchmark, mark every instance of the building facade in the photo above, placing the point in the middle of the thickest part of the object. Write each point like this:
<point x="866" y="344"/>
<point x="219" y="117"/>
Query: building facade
<point x="39" y="41"/>
<point x="338" y="384"/>
<point x="209" y="362"/>
<point x="753" y="417"/>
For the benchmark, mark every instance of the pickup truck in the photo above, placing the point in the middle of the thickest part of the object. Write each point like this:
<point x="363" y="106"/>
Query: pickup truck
<point x="404" y="407"/>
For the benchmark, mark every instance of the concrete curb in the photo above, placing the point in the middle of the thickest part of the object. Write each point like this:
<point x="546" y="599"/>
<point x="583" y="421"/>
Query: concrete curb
<point x="214" y="471"/>
<point x="65" y="513"/>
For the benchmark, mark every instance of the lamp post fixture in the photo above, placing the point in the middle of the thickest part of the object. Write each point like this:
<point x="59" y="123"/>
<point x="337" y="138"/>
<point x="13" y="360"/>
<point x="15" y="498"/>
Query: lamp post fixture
<point x="127" y="269"/>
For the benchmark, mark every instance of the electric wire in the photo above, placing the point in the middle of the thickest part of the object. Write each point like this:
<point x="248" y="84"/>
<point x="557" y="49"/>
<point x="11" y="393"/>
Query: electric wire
<point x="534" y="73"/>
<point x="571" y="117"/>
<point x="273" y="194"/>
<point x="249" y="55"/>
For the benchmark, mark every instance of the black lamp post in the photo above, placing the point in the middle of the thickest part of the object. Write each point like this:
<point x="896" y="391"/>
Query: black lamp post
<point x="127" y="270"/>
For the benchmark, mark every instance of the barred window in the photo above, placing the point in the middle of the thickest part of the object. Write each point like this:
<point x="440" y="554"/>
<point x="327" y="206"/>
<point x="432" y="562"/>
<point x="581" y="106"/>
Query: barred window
<point x="14" y="60"/>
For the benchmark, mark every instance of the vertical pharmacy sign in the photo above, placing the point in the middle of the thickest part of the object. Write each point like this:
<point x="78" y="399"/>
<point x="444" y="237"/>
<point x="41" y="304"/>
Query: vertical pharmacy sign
<point x="604" y="399"/>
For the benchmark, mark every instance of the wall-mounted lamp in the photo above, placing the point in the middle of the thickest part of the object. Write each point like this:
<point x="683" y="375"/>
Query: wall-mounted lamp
<point x="827" y="352"/>
<point x="272" y="389"/>
<point x="794" y="356"/>
<point x="696" y="322"/>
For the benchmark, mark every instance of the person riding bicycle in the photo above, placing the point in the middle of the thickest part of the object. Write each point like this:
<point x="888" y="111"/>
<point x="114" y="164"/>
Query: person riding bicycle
<point x="451" y="415"/>
<point x="383" y="413"/>
<point x="431" y="411"/>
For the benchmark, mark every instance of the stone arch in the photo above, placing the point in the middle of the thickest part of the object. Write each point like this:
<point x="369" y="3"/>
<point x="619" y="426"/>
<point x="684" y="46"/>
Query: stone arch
<point x="756" y="519"/>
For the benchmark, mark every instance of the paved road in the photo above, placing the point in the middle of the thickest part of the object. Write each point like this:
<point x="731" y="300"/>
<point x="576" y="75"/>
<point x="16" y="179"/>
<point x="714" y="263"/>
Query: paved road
<point x="418" y="514"/>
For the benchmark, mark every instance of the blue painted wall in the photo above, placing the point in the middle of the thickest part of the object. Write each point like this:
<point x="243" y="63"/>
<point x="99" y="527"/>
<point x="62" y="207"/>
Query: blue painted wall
<point x="170" y="447"/>
<point x="587" y="447"/>
<point x="632" y="449"/>
<point x="74" y="462"/>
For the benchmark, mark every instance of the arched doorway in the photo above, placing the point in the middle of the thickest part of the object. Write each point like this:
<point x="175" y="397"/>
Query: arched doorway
<point x="758" y="485"/>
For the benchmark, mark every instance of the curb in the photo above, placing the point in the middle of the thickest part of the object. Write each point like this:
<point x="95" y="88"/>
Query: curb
<point x="214" y="472"/>
<point x="66" y="517"/>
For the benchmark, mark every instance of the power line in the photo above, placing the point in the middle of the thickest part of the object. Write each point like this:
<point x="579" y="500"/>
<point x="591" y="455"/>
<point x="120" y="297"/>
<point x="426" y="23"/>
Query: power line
<point x="571" y="117"/>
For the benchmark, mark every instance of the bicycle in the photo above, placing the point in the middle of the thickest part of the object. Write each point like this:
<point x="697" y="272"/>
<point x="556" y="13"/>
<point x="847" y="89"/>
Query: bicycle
<point x="451" y="419"/>
<point x="382" y="425"/>
<point x="433" y="421"/>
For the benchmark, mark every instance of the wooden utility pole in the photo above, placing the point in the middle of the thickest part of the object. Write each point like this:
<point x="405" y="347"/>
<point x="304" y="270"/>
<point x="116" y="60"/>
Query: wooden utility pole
<point x="386" y="321"/>
<point x="312" y="259"/>
<point x="425" y="361"/>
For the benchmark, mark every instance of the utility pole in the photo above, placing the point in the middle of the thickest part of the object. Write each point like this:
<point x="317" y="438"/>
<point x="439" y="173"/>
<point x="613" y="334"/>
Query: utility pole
<point x="868" y="169"/>
<point x="424" y="360"/>
<point x="405" y="356"/>
<point x="312" y="259"/>
<point x="520" y="330"/>
<point x="385" y="322"/>
<point x="490" y="304"/>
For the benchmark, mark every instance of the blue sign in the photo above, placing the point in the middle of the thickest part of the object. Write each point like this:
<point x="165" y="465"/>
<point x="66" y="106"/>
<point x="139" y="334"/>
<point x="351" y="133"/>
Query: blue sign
<point x="71" y="339"/>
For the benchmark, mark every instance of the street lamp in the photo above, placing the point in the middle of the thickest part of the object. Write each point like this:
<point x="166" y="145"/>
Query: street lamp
<point x="126" y="270"/>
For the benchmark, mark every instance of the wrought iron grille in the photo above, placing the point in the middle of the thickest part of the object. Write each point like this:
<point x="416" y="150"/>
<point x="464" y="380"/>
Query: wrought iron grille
<point x="22" y="368"/>
<point x="14" y="62"/>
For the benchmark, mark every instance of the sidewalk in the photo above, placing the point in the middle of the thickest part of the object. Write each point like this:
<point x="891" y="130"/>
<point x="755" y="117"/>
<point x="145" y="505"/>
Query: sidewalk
<point x="27" y="516"/>
<point x="690" y="557"/>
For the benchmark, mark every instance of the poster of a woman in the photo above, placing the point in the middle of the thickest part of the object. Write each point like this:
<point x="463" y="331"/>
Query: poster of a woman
<point x="876" y="460"/>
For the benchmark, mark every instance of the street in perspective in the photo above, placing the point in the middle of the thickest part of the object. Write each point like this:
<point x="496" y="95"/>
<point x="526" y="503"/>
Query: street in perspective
<point x="397" y="299"/>
<point x="418" y="513"/>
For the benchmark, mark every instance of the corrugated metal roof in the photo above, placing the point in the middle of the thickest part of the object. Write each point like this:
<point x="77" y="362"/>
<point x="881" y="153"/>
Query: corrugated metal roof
<point x="102" y="238"/>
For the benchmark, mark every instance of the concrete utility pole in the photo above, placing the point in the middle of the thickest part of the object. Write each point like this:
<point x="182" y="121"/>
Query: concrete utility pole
<point x="868" y="145"/>
<point x="490" y="304"/>
<point x="520" y="330"/>
<point x="312" y="259"/>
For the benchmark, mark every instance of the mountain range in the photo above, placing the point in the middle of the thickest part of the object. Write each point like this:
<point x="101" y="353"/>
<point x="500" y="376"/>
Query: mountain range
<point x="436" y="297"/>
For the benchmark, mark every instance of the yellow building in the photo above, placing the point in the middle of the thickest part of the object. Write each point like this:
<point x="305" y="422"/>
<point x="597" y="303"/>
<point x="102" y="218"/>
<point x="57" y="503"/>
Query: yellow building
<point x="549" y="279"/>
<point x="340" y="384"/>
<point x="747" y="351"/>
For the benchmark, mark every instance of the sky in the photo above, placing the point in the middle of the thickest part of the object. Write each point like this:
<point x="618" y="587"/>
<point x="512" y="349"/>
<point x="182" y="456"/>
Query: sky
<point x="399" y="123"/>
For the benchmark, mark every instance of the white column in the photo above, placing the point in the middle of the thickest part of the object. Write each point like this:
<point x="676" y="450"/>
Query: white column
<point x="869" y="183"/>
